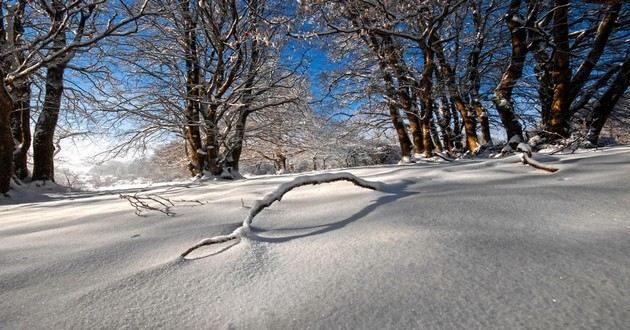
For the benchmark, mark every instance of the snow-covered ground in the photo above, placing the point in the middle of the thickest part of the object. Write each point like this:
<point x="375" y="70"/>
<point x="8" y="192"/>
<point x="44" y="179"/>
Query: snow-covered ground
<point x="471" y="244"/>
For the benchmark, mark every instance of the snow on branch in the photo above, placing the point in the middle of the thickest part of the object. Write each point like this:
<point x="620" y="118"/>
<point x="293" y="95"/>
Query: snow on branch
<point x="277" y="195"/>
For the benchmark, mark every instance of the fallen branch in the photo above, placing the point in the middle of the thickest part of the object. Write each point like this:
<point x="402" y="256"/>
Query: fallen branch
<point x="277" y="195"/>
<point x="154" y="202"/>
<point x="525" y="159"/>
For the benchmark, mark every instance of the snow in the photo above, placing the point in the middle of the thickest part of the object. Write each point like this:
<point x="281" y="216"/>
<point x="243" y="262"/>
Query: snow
<point x="467" y="244"/>
<point x="525" y="148"/>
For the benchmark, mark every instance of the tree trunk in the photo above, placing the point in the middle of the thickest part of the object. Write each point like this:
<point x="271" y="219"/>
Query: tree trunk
<point x="474" y="79"/>
<point x="425" y="89"/>
<point x="444" y="121"/>
<point x="212" y="144"/>
<point x="43" y="143"/>
<point x="392" y="94"/>
<point x="394" y="115"/>
<point x="192" y="133"/>
<point x="233" y="156"/>
<point x="513" y="72"/>
<point x="6" y="140"/>
<point x="21" y="126"/>
<point x="561" y="73"/>
<point x="435" y="137"/>
<point x="608" y="101"/>
<point x="394" y="60"/>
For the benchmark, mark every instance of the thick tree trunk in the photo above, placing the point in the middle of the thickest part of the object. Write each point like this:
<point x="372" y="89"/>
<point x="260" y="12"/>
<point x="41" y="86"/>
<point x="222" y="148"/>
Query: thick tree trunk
<point x="20" y="124"/>
<point x="6" y="140"/>
<point x="43" y="142"/>
<point x="212" y="145"/>
<point x="561" y="73"/>
<point x="513" y="72"/>
<point x="608" y="101"/>
<point x="192" y="133"/>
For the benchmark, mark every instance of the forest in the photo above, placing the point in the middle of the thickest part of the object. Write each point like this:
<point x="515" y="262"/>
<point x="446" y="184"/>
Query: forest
<point x="273" y="81"/>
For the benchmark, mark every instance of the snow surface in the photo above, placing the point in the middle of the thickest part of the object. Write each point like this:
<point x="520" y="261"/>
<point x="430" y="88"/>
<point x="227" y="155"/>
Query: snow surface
<point x="468" y="244"/>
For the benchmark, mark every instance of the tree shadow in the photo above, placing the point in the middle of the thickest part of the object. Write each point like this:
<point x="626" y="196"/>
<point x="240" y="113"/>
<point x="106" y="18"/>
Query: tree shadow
<point x="394" y="192"/>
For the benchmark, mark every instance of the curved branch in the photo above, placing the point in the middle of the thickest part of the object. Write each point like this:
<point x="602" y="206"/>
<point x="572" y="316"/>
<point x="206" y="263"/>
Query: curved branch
<point x="277" y="195"/>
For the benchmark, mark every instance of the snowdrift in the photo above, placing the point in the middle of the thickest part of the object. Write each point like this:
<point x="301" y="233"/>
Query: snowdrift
<point x="469" y="244"/>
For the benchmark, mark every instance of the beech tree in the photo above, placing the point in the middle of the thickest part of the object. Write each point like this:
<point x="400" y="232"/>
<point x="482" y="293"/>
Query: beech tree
<point x="34" y="36"/>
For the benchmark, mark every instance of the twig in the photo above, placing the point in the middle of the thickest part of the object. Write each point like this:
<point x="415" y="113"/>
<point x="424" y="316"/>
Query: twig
<point x="567" y="145"/>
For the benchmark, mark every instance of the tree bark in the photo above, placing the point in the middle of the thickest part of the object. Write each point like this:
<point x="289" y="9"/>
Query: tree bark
<point x="392" y="95"/>
<point x="468" y="117"/>
<point x="513" y="72"/>
<point x="395" y="62"/>
<point x="6" y="140"/>
<point x="43" y="143"/>
<point x="561" y="73"/>
<point x="474" y="79"/>
<point x="192" y="133"/>
<point x="425" y="89"/>
<point x="21" y="126"/>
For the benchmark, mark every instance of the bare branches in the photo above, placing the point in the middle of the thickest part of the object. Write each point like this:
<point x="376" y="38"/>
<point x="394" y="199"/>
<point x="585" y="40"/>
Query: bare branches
<point x="154" y="202"/>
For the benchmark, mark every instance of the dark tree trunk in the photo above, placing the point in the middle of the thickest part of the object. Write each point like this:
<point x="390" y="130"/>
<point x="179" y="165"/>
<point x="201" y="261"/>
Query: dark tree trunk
<point x="6" y="140"/>
<point x="43" y="143"/>
<point x="20" y="124"/>
<point x="514" y="71"/>
<point x="212" y="143"/>
<point x="608" y="101"/>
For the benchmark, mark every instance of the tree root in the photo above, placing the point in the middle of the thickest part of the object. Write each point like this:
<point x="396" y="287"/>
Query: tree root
<point x="277" y="195"/>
